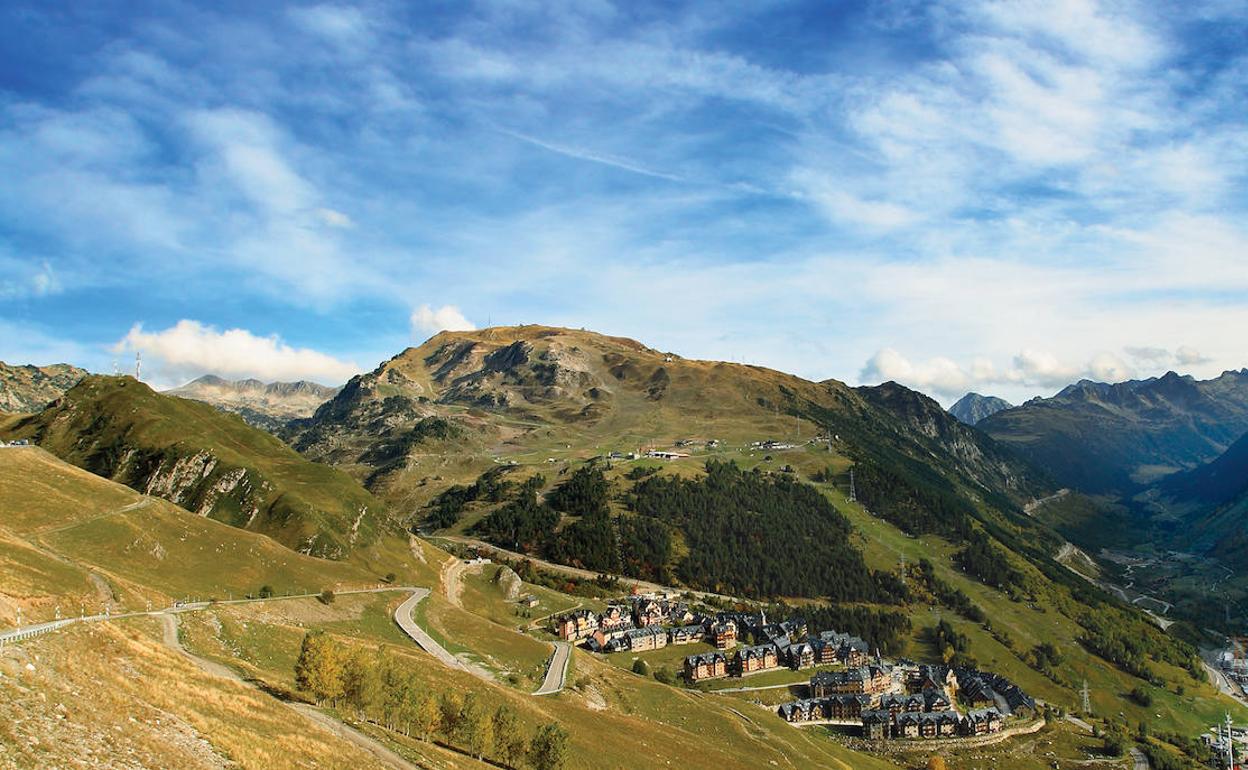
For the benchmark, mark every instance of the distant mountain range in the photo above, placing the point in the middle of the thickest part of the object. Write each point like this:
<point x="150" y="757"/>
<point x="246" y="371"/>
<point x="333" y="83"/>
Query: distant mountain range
<point x="972" y="407"/>
<point x="30" y="388"/>
<point x="1120" y="438"/>
<point x="264" y="405"/>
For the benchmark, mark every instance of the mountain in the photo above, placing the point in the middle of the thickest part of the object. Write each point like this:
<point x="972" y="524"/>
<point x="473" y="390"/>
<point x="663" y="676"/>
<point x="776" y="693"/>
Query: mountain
<point x="973" y="407"/>
<point x="30" y="388"/>
<point x="1212" y="501"/>
<point x="268" y="406"/>
<point x="1103" y="438"/>
<point x="209" y="462"/>
<point x="518" y="392"/>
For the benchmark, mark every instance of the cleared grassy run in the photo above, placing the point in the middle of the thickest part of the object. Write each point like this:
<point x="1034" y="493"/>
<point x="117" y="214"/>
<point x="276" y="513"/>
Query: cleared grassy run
<point x="59" y="523"/>
<point x="120" y="428"/>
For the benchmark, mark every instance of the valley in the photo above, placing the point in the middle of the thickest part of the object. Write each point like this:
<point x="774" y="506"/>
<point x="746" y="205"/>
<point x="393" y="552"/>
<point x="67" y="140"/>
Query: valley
<point x="513" y="476"/>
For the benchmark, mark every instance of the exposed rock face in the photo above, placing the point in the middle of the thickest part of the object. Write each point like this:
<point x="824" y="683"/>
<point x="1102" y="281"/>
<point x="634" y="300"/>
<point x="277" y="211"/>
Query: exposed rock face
<point x="30" y="388"/>
<point x="972" y="407"/>
<point x="507" y="579"/>
<point x="267" y="406"/>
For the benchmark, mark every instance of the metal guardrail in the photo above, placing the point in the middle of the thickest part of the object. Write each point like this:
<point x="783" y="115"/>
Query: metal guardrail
<point x="30" y="631"/>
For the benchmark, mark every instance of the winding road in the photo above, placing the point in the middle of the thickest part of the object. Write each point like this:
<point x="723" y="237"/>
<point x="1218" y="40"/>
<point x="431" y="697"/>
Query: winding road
<point x="556" y="670"/>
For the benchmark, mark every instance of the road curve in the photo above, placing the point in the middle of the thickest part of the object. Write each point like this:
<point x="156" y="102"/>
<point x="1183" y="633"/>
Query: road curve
<point x="1139" y="761"/>
<point x="557" y="670"/>
<point x="403" y="616"/>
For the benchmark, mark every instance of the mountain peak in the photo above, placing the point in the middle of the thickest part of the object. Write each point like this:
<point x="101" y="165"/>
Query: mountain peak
<point x="973" y="407"/>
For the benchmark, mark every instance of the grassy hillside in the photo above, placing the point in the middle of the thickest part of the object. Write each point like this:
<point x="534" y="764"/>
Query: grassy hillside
<point x="208" y="462"/>
<point x="73" y="540"/>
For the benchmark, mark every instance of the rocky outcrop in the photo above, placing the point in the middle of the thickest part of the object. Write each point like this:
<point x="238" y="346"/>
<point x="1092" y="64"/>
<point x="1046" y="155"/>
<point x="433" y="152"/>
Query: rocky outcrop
<point x="27" y="389"/>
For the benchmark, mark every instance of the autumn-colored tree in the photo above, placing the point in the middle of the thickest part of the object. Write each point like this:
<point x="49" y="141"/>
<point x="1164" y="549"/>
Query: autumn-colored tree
<point x="320" y="668"/>
<point x="936" y="763"/>
<point x="361" y="683"/>
<point x="475" y="730"/>
<point x="427" y="715"/>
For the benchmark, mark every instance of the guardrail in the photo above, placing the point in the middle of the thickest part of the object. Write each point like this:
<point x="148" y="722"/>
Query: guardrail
<point x="29" y="631"/>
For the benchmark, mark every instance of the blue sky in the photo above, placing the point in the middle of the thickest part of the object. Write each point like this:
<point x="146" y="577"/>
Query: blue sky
<point x="967" y="195"/>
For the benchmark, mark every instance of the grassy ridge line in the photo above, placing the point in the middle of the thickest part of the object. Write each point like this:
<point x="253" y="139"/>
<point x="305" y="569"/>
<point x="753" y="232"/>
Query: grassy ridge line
<point x="206" y="461"/>
<point x="103" y="548"/>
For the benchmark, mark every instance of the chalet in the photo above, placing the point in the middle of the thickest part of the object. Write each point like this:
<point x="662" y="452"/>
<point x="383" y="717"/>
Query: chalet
<point x="801" y="711"/>
<point x="935" y="700"/>
<point x="876" y="724"/>
<point x="661" y="455"/>
<point x="868" y="680"/>
<point x="920" y="678"/>
<point x="982" y="722"/>
<point x="614" y="617"/>
<point x="724" y="633"/>
<point x="751" y="659"/>
<point x="647" y="613"/>
<point x="800" y="655"/>
<point x="709" y="665"/>
<point x="973" y="689"/>
<point x="575" y="625"/>
<point x="906" y="725"/>
<point x="647" y="638"/>
<point x="846" y="706"/>
<point x="850" y="650"/>
<point x="685" y="634"/>
<point x="825" y="652"/>
<point x="898" y="704"/>
<point x="939" y="724"/>
<point x="679" y="614"/>
<point x="529" y="601"/>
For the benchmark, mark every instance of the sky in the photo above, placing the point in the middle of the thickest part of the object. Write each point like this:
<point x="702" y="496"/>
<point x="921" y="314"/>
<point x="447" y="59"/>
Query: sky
<point x="994" y="196"/>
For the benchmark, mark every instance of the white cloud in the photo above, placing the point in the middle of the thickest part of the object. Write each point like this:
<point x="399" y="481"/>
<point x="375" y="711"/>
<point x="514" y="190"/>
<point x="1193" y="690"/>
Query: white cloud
<point x="1030" y="368"/>
<point x="189" y="349"/>
<point x="426" y="320"/>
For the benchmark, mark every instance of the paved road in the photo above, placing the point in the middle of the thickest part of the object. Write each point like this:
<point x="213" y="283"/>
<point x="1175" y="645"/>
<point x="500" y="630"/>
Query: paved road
<point x="557" y="671"/>
<point x="1139" y="761"/>
<point x="403" y="616"/>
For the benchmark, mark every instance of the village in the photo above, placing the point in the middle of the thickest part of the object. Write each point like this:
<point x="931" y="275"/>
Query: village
<point x="866" y="694"/>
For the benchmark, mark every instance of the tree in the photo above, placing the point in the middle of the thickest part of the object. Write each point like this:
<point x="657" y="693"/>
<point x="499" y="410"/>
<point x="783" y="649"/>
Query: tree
<point x="362" y="687"/>
<point x="664" y="676"/>
<point x="320" y="667"/>
<point x="427" y="714"/>
<point x="326" y="597"/>
<point x="549" y="749"/>
<point x="451" y="706"/>
<point x="390" y="577"/>
<point x="935" y="762"/>
<point x="509" y="743"/>
<point x="476" y="728"/>
<point x="641" y="667"/>
<point x="266" y="592"/>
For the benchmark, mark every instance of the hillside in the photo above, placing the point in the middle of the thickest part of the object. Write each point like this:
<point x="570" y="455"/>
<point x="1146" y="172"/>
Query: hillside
<point x="463" y="401"/>
<point x="1212" y="501"/>
<point x="30" y="388"/>
<point x="265" y="405"/>
<point x="1103" y="438"/>
<point x="206" y="461"/>
<point x="973" y="407"/>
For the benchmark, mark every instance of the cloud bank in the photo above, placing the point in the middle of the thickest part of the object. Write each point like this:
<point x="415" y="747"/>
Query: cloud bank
<point x="189" y="349"/>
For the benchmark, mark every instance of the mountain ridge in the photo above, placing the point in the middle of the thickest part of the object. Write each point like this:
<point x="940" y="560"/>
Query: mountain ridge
<point x="265" y="405"/>
<point x="26" y="388"/>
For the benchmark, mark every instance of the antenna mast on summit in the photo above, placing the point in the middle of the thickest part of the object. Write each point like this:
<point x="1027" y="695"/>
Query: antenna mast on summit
<point x="138" y="365"/>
